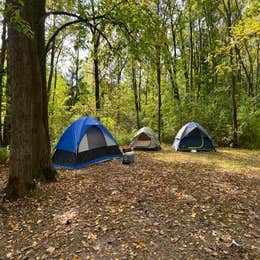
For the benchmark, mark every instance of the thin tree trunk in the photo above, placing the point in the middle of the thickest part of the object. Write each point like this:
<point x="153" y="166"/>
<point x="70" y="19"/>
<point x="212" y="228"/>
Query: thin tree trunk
<point x="7" y="118"/>
<point x="251" y="74"/>
<point x="248" y="76"/>
<point x="55" y="83"/>
<point x="134" y="83"/>
<point x="139" y="89"/>
<point x="77" y="92"/>
<point x="96" y="71"/>
<point x="257" y="78"/>
<point x="158" y="75"/>
<point x="233" y="98"/>
<point x="228" y="12"/>
<point x="51" y="68"/>
<point x="185" y="71"/>
<point x="191" y="53"/>
<point x="2" y="61"/>
<point x="96" y="42"/>
<point x="146" y="87"/>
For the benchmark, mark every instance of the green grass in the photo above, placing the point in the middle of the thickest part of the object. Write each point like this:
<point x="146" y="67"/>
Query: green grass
<point x="228" y="159"/>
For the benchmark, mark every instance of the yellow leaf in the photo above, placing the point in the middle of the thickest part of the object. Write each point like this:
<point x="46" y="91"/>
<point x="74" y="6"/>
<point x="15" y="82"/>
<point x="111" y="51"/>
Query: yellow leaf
<point x="92" y="236"/>
<point x="104" y="229"/>
<point x="230" y="215"/>
<point x="193" y="214"/>
<point x="141" y="245"/>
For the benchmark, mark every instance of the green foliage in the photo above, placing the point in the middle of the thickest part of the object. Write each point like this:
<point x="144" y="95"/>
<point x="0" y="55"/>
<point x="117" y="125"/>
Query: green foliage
<point x="195" y="46"/>
<point x="249" y="130"/>
<point x="4" y="154"/>
<point x="14" y="14"/>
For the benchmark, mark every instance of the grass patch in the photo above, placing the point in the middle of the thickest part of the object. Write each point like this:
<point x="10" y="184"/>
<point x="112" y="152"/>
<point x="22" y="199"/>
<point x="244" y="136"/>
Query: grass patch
<point x="228" y="159"/>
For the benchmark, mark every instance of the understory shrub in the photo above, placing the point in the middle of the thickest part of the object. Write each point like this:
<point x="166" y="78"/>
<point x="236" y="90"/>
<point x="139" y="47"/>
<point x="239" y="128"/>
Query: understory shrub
<point x="4" y="154"/>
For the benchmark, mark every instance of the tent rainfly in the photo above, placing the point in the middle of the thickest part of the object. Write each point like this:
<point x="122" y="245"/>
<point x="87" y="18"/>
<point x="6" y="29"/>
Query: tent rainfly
<point x="85" y="142"/>
<point x="193" y="137"/>
<point x="145" y="139"/>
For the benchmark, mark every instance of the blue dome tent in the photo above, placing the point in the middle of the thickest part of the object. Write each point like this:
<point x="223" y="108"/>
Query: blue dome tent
<point x="85" y="142"/>
<point x="193" y="136"/>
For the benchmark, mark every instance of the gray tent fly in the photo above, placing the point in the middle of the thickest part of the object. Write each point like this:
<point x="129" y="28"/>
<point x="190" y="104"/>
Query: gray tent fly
<point x="145" y="139"/>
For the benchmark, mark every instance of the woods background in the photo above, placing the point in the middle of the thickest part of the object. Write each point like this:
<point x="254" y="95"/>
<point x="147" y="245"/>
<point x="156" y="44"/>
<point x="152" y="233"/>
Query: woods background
<point x="148" y="63"/>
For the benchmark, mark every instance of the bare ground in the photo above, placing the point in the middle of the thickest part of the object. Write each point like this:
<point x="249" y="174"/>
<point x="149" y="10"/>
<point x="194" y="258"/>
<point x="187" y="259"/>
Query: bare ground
<point x="164" y="206"/>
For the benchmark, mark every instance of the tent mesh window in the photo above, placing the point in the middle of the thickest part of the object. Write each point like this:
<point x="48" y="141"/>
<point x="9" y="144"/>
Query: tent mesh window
<point x="96" y="153"/>
<point x="95" y="138"/>
<point x="144" y="137"/>
<point x="64" y="158"/>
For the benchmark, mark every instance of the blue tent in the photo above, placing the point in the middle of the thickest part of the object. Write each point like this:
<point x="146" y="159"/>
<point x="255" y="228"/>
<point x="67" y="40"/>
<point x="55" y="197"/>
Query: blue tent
<point x="193" y="136"/>
<point x="85" y="142"/>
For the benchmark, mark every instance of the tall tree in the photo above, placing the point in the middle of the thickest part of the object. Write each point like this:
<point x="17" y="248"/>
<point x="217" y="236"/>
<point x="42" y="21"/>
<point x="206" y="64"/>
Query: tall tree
<point x="30" y="147"/>
<point x="230" y="22"/>
<point x="2" y="72"/>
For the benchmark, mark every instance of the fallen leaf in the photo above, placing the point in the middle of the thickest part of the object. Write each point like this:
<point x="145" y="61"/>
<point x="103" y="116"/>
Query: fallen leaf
<point x="50" y="250"/>
<point x="141" y="245"/>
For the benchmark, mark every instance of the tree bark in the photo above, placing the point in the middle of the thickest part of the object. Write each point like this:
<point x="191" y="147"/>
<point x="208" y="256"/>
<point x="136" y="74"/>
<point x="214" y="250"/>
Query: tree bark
<point x="228" y="12"/>
<point x="183" y="58"/>
<point x="135" y="96"/>
<point x="7" y="123"/>
<point x="96" y="70"/>
<point x="191" y="53"/>
<point x="30" y="147"/>
<point x="51" y="69"/>
<point x="158" y="75"/>
<point x="233" y="99"/>
<point x="2" y="71"/>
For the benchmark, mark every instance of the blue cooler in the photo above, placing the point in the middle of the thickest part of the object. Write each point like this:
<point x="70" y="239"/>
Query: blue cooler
<point x="128" y="156"/>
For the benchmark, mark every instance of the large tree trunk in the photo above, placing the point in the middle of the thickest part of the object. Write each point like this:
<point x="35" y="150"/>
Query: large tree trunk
<point x="41" y="143"/>
<point x="30" y="147"/>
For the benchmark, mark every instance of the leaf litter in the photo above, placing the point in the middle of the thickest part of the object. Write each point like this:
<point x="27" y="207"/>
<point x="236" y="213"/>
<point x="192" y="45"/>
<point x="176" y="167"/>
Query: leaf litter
<point x="150" y="209"/>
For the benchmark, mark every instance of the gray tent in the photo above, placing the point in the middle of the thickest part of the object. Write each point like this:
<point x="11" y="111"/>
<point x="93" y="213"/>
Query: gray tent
<point x="145" y="139"/>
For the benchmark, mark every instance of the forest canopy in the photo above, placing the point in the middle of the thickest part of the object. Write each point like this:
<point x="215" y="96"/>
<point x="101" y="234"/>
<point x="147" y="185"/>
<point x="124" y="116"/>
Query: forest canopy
<point x="148" y="63"/>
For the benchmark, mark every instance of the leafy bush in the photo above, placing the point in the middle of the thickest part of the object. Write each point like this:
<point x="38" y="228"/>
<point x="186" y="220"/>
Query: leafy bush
<point x="4" y="154"/>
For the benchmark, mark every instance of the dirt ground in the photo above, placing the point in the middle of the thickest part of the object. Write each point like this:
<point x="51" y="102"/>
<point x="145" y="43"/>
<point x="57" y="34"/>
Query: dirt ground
<point x="163" y="206"/>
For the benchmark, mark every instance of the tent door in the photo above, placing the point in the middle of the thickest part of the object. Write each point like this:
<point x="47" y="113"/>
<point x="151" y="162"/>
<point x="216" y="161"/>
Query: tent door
<point x="198" y="146"/>
<point x="143" y="141"/>
<point x="95" y="138"/>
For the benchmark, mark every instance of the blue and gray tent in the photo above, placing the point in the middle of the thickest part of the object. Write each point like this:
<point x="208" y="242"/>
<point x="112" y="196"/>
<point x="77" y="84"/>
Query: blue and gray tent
<point x="85" y="142"/>
<point x="193" y="136"/>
